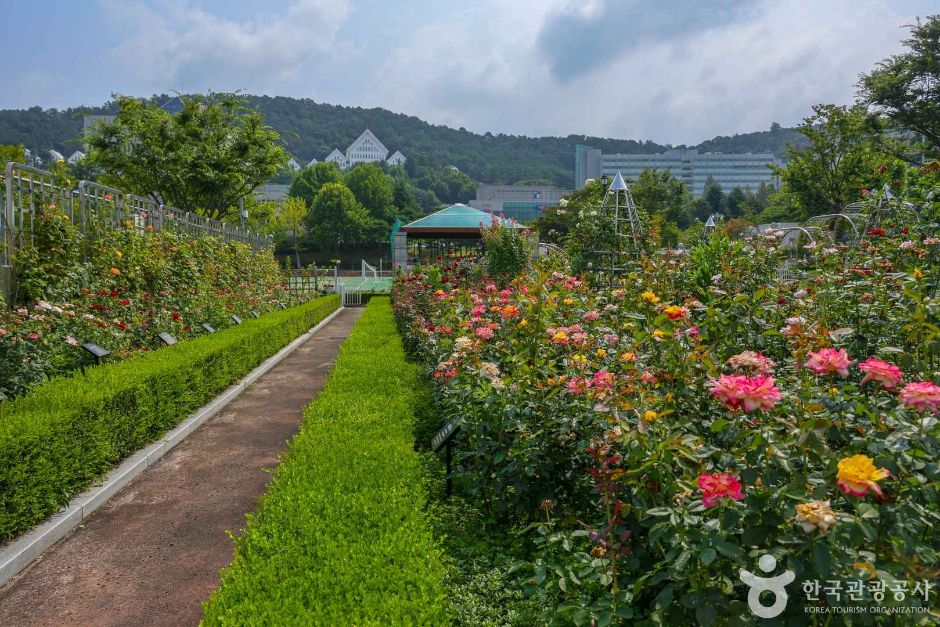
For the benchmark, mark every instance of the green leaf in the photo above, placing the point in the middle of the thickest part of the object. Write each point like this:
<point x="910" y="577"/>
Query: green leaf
<point x="664" y="598"/>
<point x="729" y="549"/>
<point x="706" y="614"/>
<point x="708" y="555"/>
<point x="658" y="511"/>
<point x="821" y="557"/>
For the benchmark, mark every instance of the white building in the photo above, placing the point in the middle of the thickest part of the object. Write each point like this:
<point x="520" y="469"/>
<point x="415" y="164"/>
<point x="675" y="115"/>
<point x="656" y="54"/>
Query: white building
<point x="366" y="149"/>
<point x="55" y="156"/>
<point x="76" y="156"/>
<point x="336" y="157"/>
<point x="747" y="171"/>
<point x="313" y="162"/>
<point x="293" y="164"/>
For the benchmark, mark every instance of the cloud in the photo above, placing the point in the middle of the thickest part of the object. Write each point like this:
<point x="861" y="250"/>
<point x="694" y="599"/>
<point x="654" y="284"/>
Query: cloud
<point x="586" y="36"/>
<point x="512" y="67"/>
<point x="173" y="41"/>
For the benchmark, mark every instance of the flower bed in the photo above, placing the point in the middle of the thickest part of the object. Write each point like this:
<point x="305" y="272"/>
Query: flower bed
<point x="340" y="537"/>
<point x="120" y="290"/>
<point x="663" y="435"/>
<point x="56" y="440"/>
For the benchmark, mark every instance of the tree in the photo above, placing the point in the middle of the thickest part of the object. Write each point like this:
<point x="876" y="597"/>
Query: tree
<point x="906" y="87"/>
<point x="659" y="193"/>
<point x="374" y="190"/>
<point x="202" y="159"/>
<point x="292" y="219"/>
<point x="736" y="203"/>
<point x="838" y="162"/>
<point x="714" y="197"/>
<point x="308" y="181"/>
<point x="336" y="218"/>
<point x="12" y="153"/>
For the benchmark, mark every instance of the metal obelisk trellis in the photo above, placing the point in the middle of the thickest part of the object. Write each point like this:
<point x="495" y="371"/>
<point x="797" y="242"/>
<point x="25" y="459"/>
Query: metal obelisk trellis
<point x="619" y="200"/>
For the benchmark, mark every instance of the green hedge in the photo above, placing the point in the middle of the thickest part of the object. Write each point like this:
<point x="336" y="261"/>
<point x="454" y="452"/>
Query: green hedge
<point x="341" y="536"/>
<point x="58" y="439"/>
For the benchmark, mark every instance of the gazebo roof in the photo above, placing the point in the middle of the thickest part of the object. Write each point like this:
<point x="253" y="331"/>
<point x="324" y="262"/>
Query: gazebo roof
<point x="455" y="221"/>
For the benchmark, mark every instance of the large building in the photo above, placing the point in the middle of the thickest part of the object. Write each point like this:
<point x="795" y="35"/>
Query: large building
<point x="746" y="170"/>
<point x="522" y="203"/>
<point x="366" y="149"/>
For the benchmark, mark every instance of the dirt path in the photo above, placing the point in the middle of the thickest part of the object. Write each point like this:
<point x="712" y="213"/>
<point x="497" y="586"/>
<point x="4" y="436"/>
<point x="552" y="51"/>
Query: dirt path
<point x="153" y="552"/>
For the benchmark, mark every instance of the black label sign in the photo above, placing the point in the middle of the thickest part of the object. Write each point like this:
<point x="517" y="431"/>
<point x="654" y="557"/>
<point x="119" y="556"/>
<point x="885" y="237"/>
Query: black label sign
<point x="168" y="339"/>
<point x="444" y="435"/>
<point x="255" y="314"/>
<point x="236" y="319"/>
<point x="97" y="351"/>
<point x="208" y="327"/>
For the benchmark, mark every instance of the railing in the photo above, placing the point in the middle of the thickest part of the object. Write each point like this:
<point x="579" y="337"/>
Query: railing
<point x="95" y="208"/>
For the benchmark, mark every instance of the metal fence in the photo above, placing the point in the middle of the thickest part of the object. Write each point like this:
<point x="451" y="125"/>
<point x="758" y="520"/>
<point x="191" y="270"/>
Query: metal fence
<point x="96" y="208"/>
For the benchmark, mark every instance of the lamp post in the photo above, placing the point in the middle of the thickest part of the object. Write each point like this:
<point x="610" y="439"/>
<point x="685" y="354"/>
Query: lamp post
<point x="605" y="181"/>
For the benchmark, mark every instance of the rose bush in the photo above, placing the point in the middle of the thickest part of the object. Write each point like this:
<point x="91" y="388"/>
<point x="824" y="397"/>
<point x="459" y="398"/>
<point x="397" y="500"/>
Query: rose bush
<point x="662" y="435"/>
<point x="120" y="289"/>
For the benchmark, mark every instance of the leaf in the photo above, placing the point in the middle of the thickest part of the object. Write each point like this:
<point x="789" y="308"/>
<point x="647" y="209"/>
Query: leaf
<point x="664" y="598"/>
<point x="866" y="510"/>
<point x="706" y="615"/>
<point x="708" y="555"/>
<point x="658" y="511"/>
<point x="563" y="584"/>
<point x="821" y="557"/>
<point x="729" y="549"/>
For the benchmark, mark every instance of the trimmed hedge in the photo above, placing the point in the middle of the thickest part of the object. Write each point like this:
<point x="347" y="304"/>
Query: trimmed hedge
<point x="58" y="439"/>
<point x="341" y="536"/>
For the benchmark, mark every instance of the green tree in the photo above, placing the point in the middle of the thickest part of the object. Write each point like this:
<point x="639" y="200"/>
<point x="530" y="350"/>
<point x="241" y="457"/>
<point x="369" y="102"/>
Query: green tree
<point x="373" y="188"/>
<point x="836" y="164"/>
<point x="906" y="87"/>
<point x="660" y="193"/>
<point x="308" y="181"/>
<point x="292" y="220"/>
<point x="12" y="153"/>
<point x="337" y="219"/>
<point x="715" y="198"/>
<point x="202" y="159"/>
<point x="737" y="203"/>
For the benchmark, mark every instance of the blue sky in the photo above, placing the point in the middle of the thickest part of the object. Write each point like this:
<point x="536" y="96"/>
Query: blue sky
<point x="676" y="71"/>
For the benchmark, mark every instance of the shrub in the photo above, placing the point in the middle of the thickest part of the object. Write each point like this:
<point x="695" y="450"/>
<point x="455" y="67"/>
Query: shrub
<point x="55" y="441"/>
<point x="507" y="249"/>
<point x="340" y="537"/>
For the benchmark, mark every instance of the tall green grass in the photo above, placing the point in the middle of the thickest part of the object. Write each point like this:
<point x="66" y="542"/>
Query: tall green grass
<point x="341" y="536"/>
<point x="55" y="441"/>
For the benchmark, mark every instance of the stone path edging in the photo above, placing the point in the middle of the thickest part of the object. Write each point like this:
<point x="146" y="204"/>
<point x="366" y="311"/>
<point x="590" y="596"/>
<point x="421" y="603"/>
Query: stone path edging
<point x="21" y="553"/>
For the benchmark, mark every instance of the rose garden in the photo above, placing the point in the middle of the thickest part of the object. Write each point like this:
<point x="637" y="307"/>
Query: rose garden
<point x="623" y="412"/>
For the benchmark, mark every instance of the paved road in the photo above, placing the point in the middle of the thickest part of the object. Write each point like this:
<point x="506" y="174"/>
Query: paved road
<point x="153" y="552"/>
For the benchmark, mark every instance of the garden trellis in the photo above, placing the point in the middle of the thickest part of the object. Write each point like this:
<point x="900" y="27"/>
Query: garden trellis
<point x="618" y="200"/>
<point x="94" y="208"/>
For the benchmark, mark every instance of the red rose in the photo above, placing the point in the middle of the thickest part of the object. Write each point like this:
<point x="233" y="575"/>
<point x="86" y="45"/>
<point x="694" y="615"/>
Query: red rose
<point x="102" y="292"/>
<point x="114" y="293"/>
<point x="176" y="315"/>
<point x="122" y="326"/>
<point x="125" y="302"/>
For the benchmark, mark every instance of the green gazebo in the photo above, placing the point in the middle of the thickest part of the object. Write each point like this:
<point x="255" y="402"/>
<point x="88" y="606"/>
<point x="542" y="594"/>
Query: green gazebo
<point x="457" y="222"/>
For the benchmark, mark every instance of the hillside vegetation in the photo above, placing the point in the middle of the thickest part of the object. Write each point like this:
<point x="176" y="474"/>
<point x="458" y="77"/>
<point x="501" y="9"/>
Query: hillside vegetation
<point x="311" y="130"/>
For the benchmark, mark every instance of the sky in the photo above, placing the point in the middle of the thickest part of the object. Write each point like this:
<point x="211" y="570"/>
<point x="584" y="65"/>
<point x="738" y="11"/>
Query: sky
<point x="671" y="71"/>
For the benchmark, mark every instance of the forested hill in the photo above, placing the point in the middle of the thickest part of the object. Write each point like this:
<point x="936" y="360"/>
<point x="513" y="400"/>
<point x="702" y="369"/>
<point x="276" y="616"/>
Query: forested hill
<point x="312" y="130"/>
